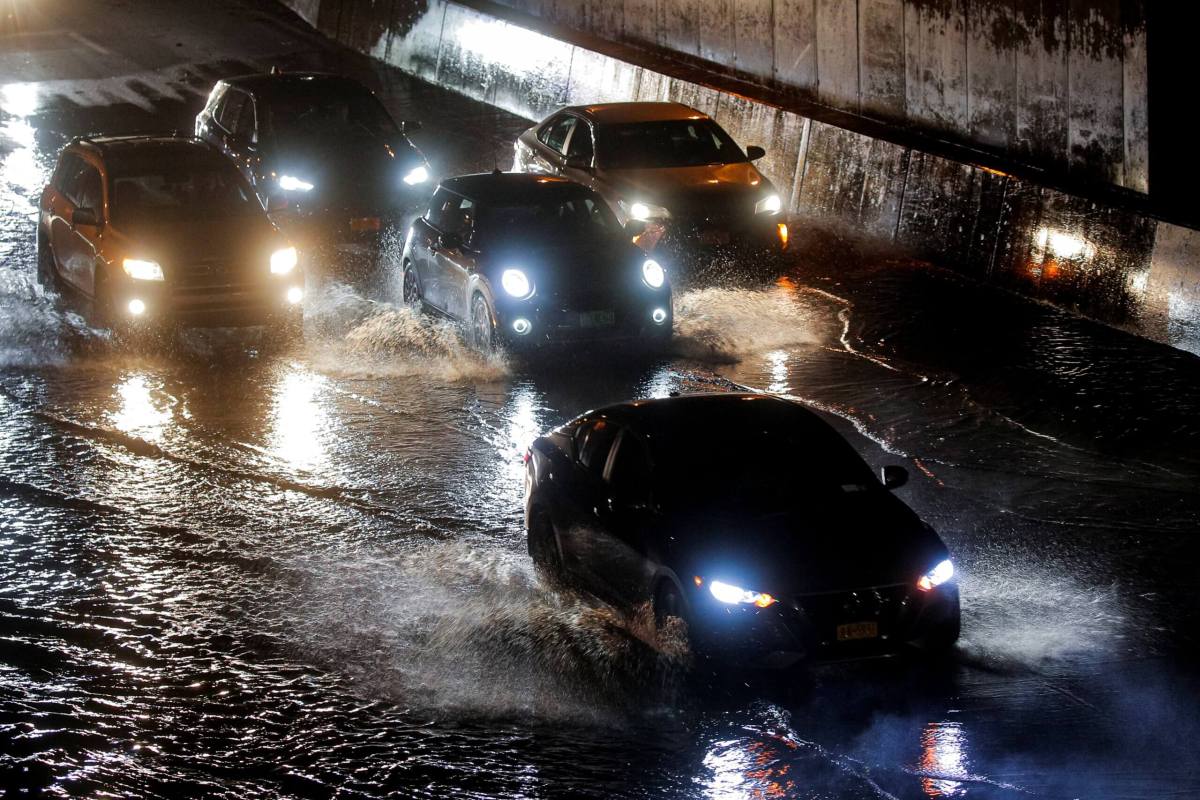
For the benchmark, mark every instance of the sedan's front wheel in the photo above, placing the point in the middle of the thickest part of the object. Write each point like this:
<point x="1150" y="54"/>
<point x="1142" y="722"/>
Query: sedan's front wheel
<point x="483" y="325"/>
<point x="411" y="291"/>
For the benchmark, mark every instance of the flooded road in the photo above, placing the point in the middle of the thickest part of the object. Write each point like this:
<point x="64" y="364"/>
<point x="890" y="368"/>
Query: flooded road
<point x="234" y="568"/>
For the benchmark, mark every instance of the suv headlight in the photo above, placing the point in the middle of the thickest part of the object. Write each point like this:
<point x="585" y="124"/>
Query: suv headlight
<point x="290" y="183"/>
<point x="418" y="174"/>
<point x="943" y="572"/>
<point x="653" y="274"/>
<point x="142" y="270"/>
<point x="768" y="205"/>
<point x="516" y="283"/>
<point x="283" y="261"/>
<point x="736" y="595"/>
<point x="642" y="211"/>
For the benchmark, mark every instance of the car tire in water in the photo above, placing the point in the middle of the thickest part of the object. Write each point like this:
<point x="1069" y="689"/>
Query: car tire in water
<point x="46" y="274"/>
<point x="668" y="604"/>
<point x="410" y="290"/>
<point x="483" y="325"/>
<point x="944" y="636"/>
<point x="102" y="301"/>
<point x="543" y="548"/>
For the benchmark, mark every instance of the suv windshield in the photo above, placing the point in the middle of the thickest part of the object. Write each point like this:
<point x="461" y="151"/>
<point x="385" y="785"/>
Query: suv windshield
<point x="674" y="143"/>
<point x="179" y="191"/>
<point x="322" y="114"/>
<point x="576" y="217"/>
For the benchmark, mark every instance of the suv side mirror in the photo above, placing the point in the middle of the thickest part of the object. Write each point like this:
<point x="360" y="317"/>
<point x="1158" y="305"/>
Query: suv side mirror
<point x="894" y="477"/>
<point x="635" y="227"/>
<point x="85" y="216"/>
<point x="276" y="202"/>
<point x="577" y="162"/>
<point x="754" y="152"/>
<point x="409" y="126"/>
<point x="450" y="241"/>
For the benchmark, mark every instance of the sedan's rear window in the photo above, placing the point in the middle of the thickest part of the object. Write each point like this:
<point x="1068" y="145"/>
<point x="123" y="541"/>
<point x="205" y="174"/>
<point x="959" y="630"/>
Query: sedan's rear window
<point x="671" y="143"/>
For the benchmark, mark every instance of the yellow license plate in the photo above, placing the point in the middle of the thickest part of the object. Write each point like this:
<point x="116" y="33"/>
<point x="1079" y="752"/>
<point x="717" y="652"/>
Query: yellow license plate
<point x="857" y="630"/>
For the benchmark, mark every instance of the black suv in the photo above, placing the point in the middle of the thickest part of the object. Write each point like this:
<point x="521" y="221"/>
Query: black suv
<point x="323" y="154"/>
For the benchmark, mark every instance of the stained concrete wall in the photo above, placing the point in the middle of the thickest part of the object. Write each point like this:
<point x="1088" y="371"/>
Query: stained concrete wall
<point x="1055" y="83"/>
<point x="1107" y="261"/>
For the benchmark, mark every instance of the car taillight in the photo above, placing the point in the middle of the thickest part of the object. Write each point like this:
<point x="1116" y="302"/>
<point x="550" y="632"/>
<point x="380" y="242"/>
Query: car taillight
<point x="525" y="458"/>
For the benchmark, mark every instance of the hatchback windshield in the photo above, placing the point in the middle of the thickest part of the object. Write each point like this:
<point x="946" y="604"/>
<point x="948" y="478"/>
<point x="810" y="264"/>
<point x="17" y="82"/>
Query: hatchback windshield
<point x="179" y="191"/>
<point x="322" y="115"/>
<point x="570" y="218"/>
<point x="673" y="143"/>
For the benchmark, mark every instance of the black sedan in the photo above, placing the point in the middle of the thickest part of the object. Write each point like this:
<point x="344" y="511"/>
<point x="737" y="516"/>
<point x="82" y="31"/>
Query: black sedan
<point x="747" y="516"/>
<point x="525" y="260"/>
<point x="321" y="151"/>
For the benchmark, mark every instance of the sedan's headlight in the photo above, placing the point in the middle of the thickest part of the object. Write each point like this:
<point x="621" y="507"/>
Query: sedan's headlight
<point x="943" y="572"/>
<point x="642" y="211"/>
<point x="653" y="274"/>
<point x="768" y="205"/>
<point x="283" y="261"/>
<point x="290" y="183"/>
<point x="416" y="175"/>
<point x="736" y="595"/>
<point x="142" y="270"/>
<point x="516" y="283"/>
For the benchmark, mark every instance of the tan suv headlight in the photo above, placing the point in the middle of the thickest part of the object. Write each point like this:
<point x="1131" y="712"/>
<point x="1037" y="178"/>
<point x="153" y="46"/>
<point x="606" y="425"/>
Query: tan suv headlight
<point x="141" y="270"/>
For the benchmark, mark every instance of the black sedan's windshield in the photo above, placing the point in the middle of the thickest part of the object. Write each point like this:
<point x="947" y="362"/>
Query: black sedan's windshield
<point x="573" y="217"/>
<point x="758" y="468"/>
<point x="320" y="114"/>
<point x="179" y="191"/>
<point x="673" y="143"/>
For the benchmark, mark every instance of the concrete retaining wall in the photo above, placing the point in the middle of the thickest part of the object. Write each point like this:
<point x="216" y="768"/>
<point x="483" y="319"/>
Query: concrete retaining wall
<point x="1105" y="261"/>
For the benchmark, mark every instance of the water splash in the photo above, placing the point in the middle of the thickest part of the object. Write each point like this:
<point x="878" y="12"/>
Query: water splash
<point x="453" y="628"/>
<point x="726" y="325"/>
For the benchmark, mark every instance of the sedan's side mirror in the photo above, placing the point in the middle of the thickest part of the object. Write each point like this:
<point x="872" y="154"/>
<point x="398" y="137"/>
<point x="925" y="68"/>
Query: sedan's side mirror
<point x="894" y="477"/>
<point x="754" y="152"/>
<point x="85" y="216"/>
<point x="410" y="126"/>
<point x="635" y="227"/>
<point x="579" y="163"/>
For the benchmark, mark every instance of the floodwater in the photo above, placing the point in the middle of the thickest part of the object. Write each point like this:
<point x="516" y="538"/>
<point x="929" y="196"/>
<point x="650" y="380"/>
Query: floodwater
<point x="234" y="568"/>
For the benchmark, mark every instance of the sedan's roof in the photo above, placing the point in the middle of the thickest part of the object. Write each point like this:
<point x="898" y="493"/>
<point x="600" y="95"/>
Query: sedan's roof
<point x="667" y="416"/>
<point x="619" y="113"/>
<point x="511" y="187"/>
<point x="278" y="83"/>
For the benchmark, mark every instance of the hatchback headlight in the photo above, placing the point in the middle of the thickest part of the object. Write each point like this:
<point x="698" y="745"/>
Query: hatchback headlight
<point x="736" y="595"/>
<point x="653" y="274"/>
<point x="416" y="175"/>
<point x="290" y="183"/>
<point x="141" y="270"/>
<point x="283" y="261"/>
<point x="943" y="572"/>
<point x="768" y="205"/>
<point x="516" y="283"/>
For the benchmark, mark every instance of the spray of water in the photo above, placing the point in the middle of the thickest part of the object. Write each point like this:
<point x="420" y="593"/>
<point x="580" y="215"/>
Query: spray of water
<point x="454" y="628"/>
<point x="725" y="325"/>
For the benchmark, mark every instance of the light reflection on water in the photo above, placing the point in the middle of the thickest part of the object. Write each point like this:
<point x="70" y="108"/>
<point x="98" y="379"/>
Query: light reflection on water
<point x="943" y="755"/>
<point x="142" y="409"/>
<point x="300" y="421"/>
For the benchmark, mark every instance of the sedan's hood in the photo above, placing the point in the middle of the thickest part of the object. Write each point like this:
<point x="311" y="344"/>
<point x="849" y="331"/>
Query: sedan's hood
<point x="858" y="539"/>
<point x="692" y="189"/>
<point x="246" y="240"/>
<point x="346" y="167"/>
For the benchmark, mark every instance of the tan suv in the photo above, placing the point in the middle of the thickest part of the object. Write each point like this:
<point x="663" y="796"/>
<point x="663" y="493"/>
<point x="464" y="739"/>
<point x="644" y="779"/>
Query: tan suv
<point x="664" y="164"/>
<point x="155" y="228"/>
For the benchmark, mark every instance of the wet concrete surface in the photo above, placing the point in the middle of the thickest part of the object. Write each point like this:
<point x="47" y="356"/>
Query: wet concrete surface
<point x="234" y="568"/>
